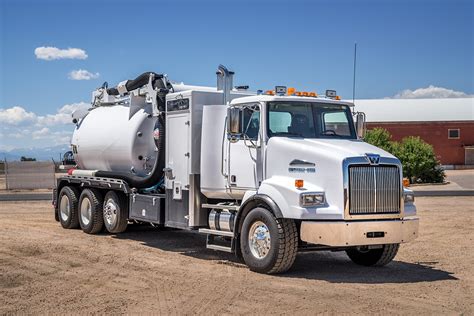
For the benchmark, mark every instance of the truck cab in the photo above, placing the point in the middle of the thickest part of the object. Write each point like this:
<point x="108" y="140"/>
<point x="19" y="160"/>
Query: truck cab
<point x="301" y="159"/>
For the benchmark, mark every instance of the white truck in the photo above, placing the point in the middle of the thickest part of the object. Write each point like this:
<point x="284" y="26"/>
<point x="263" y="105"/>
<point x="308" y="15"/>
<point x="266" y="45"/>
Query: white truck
<point x="262" y="174"/>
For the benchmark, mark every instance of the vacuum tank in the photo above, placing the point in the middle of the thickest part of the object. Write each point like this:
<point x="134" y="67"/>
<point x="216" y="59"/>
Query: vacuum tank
<point x="114" y="139"/>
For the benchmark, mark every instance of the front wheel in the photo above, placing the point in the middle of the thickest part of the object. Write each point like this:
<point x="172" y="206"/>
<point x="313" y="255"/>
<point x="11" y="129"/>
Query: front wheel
<point x="373" y="257"/>
<point x="268" y="244"/>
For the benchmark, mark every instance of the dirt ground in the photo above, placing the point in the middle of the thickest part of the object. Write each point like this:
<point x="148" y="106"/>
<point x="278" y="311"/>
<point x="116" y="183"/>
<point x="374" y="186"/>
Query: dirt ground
<point x="46" y="269"/>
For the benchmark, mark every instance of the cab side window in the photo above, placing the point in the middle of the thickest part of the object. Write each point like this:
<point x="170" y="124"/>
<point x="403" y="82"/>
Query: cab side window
<point x="251" y="122"/>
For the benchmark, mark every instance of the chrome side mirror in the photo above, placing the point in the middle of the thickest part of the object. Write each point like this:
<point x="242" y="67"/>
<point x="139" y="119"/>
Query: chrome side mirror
<point x="233" y="125"/>
<point x="360" y="124"/>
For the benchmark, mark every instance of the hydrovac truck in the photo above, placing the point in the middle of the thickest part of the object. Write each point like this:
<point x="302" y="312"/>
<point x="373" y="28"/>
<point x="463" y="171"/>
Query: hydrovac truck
<point x="262" y="174"/>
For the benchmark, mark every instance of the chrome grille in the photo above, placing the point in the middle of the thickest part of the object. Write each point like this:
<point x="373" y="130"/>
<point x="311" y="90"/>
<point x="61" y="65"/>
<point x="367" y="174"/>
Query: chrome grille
<point x="374" y="190"/>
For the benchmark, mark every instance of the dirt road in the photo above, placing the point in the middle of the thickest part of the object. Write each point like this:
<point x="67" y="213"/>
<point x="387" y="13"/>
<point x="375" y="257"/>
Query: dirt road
<point x="46" y="269"/>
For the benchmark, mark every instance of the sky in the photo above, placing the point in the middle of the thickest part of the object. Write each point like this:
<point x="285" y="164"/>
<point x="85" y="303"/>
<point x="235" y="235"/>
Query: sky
<point x="53" y="54"/>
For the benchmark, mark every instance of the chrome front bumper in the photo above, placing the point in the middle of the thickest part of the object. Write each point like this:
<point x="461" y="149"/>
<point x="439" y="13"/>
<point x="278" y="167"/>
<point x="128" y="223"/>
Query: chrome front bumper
<point x="359" y="233"/>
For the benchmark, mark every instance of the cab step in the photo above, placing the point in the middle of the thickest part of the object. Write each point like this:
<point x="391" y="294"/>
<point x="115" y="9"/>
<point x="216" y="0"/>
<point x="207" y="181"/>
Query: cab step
<point x="218" y="239"/>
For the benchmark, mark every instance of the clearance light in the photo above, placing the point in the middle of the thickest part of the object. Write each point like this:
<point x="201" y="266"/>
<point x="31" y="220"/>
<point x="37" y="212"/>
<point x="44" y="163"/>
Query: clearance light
<point x="337" y="97"/>
<point x="298" y="93"/>
<point x="290" y="91"/>
<point x="313" y="94"/>
<point x="299" y="183"/>
<point x="305" y="94"/>
<point x="270" y="92"/>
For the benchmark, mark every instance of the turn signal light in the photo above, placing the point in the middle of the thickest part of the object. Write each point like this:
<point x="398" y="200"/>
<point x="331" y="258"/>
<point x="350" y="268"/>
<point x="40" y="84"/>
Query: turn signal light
<point x="406" y="182"/>
<point x="299" y="183"/>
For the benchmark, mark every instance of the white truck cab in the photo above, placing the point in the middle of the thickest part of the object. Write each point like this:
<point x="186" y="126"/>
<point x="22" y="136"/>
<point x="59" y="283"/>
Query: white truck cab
<point x="263" y="175"/>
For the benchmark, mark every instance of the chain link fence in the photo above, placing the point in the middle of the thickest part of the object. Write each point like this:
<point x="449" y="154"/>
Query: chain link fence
<point x="29" y="175"/>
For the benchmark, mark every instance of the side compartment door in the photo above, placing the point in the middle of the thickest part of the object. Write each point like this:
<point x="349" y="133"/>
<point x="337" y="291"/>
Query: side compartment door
<point x="177" y="153"/>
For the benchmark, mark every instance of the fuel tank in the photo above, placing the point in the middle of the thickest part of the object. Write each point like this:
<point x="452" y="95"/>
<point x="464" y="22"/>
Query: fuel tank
<point x="117" y="138"/>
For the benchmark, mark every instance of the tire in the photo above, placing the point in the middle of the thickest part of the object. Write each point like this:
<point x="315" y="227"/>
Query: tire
<point x="115" y="212"/>
<point x="91" y="218"/>
<point x="374" y="257"/>
<point x="278" y="254"/>
<point x="67" y="207"/>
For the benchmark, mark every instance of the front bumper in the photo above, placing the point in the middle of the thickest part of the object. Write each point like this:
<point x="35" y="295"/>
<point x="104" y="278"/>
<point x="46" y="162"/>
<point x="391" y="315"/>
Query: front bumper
<point x="359" y="233"/>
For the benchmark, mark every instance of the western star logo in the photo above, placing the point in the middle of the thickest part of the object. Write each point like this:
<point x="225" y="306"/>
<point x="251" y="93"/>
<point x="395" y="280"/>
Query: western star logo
<point x="373" y="159"/>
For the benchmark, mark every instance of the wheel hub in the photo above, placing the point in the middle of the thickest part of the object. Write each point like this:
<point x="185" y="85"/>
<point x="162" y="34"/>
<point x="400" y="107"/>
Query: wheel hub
<point x="86" y="211"/>
<point x="64" y="208"/>
<point x="110" y="212"/>
<point x="259" y="240"/>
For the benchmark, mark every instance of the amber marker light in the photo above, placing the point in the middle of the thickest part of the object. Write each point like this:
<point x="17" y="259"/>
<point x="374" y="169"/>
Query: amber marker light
<point x="299" y="183"/>
<point x="406" y="182"/>
<point x="290" y="91"/>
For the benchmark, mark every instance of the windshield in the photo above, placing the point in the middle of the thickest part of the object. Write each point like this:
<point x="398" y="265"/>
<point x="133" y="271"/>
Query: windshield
<point x="310" y="120"/>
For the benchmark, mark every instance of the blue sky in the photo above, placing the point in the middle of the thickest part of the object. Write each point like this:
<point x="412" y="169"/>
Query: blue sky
<point x="306" y="44"/>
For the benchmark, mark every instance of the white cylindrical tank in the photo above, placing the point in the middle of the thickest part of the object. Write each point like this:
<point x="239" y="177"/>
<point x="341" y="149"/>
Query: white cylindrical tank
<point x="116" y="138"/>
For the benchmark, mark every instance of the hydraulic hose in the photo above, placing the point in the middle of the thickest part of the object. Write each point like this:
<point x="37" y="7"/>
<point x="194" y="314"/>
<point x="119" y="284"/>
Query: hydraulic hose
<point x="136" y="83"/>
<point x="157" y="172"/>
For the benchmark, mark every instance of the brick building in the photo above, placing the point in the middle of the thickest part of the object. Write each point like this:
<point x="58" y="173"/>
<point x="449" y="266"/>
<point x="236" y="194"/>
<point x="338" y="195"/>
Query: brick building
<point x="446" y="124"/>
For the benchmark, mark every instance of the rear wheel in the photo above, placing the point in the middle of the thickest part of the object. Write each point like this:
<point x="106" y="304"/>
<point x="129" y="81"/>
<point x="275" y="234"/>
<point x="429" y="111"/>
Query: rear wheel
<point x="115" y="212"/>
<point x="90" y="211"/>
<point x="373" y="257"/>
<point x="268" y="244"/>
<point x="67" y="207"/>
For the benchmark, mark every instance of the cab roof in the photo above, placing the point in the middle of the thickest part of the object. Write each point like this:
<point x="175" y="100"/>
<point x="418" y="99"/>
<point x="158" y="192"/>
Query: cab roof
<point x="269" y="98"/>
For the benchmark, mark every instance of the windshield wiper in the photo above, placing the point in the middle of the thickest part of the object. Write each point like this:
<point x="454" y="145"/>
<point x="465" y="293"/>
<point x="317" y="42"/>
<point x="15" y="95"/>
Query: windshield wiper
<point x="331" y="133"/>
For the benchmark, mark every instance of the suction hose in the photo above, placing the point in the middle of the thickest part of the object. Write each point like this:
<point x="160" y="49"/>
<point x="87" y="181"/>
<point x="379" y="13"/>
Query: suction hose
<point x="157" y="171"/>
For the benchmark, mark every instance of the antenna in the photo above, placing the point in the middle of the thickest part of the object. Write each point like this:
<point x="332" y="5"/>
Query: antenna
<point x="354" y="78"/>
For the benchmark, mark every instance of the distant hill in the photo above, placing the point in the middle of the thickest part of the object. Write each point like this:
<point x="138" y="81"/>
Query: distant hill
<point x="45" y="153"/>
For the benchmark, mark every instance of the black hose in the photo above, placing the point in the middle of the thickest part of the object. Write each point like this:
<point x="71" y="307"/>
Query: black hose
<point x="137" y="82"/>
<point x="157" y="171"/>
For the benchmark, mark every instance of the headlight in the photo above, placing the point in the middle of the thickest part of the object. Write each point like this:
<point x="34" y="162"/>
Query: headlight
<point x="312" y="199"/>
<point x="409" y="197"/>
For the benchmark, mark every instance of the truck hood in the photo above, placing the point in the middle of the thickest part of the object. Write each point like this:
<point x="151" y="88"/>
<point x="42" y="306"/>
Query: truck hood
<point x="319" y="162"/>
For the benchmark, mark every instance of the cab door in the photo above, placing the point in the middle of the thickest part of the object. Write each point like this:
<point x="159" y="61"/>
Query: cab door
<point x="243" y="152"/>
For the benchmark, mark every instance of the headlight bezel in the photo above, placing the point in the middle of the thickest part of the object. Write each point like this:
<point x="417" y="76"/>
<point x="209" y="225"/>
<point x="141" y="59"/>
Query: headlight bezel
<point x="312" y="199"/>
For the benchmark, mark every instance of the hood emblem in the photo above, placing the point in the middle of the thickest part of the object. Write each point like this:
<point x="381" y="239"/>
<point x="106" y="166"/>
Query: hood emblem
<point x="373" y="159"/>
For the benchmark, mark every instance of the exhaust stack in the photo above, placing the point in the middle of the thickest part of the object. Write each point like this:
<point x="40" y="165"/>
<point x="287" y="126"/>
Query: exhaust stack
<point x="224" y="82"/>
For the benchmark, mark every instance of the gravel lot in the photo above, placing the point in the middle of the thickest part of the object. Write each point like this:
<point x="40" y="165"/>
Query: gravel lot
<point x="46" y="269"/>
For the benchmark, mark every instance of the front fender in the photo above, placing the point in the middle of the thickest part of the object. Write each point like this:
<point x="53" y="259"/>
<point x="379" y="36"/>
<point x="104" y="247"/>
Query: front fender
<point x="282" y="190"/>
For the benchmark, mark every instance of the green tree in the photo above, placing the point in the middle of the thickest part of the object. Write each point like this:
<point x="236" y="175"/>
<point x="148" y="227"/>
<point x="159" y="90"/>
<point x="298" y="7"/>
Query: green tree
<point x="381" y="138"/>
<point x="419" y="161"/>
<point x="23" y="158"/>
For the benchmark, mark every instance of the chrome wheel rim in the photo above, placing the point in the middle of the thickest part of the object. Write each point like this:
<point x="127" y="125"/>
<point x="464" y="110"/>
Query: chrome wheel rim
<point x="259" y="240"/>
<point x="64" y="208"/>
<point x="86" y="211"/>
<point x="110" y="212"/>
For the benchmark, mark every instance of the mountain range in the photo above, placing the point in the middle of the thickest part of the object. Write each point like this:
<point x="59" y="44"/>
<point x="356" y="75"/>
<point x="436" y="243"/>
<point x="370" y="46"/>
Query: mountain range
<point x="45" y="153"/>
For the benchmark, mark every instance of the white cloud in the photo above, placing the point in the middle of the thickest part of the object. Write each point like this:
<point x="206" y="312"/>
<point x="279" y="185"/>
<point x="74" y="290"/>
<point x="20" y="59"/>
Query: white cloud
<point x="82" y="74"/>
<point x="53" y="53"/>
<point x="20" y="128"/>
<point x="16" y="115"/>
<point x="42" y="133"/>
<point x="431" y="92"/>
<point x="63" y="116"/>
